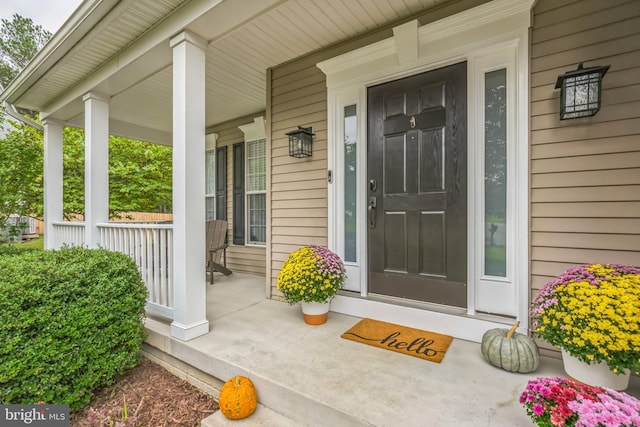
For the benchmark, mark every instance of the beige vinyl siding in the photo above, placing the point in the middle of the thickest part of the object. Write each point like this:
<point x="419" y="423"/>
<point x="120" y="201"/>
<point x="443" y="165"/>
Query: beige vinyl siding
<point x="298" y="203"/>
<point x="298" y="186"/>
<point x="245" y="259"/>
<point x="585" y="173"/>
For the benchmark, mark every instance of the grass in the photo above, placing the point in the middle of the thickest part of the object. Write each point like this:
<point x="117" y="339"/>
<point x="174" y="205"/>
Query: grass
<point x="495" y="260"/>
<point x="35" y="243"/>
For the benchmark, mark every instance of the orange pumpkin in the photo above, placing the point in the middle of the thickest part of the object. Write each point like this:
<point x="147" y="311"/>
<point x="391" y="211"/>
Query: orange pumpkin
<point x="238" y="398"/>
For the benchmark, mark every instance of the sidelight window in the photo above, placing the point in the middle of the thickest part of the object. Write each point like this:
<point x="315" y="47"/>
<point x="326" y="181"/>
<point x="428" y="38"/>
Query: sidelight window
<point x="350" y="180"/>
<point x="495" y="173"/>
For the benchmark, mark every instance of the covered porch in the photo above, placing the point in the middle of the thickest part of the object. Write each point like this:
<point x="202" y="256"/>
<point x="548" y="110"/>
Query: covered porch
<point x="306" y="375"/>
<point x="202" y="68"/>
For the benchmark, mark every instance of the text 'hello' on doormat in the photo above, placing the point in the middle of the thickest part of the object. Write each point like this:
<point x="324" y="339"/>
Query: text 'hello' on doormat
<point x="413" y="342"/>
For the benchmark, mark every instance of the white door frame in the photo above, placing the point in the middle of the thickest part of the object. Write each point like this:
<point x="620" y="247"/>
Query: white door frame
<point x="492" y="35"/>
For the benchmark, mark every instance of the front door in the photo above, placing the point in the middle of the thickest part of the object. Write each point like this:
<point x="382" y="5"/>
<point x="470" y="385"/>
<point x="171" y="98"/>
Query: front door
<point x="417" y="187"/>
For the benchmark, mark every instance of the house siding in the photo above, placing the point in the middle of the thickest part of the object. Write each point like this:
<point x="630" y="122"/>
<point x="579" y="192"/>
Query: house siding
<point x="241" y="258"/>
<point x="585" y="173"/>
<point x="299" y="197"/>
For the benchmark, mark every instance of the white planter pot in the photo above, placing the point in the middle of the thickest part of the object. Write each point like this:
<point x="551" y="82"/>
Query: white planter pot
<point x="595" y="374"/>
<point x="315" y="313"/>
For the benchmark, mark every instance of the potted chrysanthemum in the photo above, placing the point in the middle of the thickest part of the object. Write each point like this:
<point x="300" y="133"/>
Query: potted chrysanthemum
<point x="311" y="275"/>
<point x="591" y="313"/>
<point x="552" y="402"/>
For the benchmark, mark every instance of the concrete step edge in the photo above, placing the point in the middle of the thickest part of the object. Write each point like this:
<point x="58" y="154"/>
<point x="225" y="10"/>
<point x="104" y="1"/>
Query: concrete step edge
<point x="291" y="404"/>
<point x="262" y="417"/>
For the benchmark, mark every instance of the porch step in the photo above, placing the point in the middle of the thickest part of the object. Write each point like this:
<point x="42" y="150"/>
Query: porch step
<point x="280" y="404"/>
<point x="262" y="417"/>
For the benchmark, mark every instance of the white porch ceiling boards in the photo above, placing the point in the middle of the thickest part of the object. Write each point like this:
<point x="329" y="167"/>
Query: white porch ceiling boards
<point x="237" y="62"/>
<point x="126" y="21"/>
<point x="246" y="37"/>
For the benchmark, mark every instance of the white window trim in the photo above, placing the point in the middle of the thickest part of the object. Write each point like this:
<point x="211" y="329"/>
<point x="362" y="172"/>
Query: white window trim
<point x="466" y="36"/>
<point x="254" y="131"/>
<point x="211" y="141"/>
<point x="492" y="294"/>
<point x="336" y="192"/>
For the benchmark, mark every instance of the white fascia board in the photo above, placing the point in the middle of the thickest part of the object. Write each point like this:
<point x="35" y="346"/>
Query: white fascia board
<point x="85" y="17"/>
<point x="139" y="132"/>
<point x="176" y="22"/>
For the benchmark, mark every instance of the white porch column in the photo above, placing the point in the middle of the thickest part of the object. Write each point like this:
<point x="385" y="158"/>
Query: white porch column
<point x="189" y="295"/>
<point x="53" y="178"/>
<point x="96" y="165"/>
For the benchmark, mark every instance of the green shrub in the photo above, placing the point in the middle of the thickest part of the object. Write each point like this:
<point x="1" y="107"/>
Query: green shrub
<point x="70" y="321"/>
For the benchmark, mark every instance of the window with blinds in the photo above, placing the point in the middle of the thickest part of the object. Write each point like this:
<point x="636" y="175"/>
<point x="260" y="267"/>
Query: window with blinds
<point x="256" y="186"/>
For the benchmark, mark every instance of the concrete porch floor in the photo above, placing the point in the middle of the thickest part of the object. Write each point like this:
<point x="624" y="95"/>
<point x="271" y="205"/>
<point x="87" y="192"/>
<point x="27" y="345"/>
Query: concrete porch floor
<point x="309" y="376"/>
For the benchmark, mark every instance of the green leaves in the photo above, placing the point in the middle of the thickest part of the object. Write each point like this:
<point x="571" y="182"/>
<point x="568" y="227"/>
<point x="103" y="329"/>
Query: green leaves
<point x="21" y="164"/>
<point x="70" y="320"/>
<point x="20" y="40"/>
<point x="140" y="174"/>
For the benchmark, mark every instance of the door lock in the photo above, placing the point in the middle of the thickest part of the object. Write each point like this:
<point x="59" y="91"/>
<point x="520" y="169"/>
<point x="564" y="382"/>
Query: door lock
<point x="373" y="185"/>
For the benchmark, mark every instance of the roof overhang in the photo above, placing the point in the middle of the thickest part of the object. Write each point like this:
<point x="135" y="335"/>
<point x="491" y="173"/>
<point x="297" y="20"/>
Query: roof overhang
<point x="121" y="49"/>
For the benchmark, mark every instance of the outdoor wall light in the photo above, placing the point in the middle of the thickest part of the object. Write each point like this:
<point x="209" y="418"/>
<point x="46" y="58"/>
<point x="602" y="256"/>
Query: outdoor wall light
<point x="580" y="92"/>
<point x="300" y="141"/>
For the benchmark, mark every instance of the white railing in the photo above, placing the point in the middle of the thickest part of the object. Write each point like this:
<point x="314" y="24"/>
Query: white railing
<point x="68" y="233"/>
<point x="151" y="247"/>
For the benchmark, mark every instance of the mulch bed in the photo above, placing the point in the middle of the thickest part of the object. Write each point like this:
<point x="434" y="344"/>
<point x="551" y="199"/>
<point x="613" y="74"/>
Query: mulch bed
<point x="153" y="397"/>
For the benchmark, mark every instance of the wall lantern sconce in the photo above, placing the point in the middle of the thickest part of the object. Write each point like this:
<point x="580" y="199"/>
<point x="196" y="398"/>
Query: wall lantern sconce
<point x="300" y="141"/>
<point x="580" y="92"/>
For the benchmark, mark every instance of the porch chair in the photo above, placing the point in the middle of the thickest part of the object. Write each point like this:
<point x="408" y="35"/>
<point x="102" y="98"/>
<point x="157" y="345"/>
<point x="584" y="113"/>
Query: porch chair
<point x="216" y="247"/>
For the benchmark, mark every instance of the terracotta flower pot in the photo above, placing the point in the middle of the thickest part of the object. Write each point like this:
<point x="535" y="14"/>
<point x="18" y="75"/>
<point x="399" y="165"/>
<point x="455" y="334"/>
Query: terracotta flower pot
<point x="315" y="313"/>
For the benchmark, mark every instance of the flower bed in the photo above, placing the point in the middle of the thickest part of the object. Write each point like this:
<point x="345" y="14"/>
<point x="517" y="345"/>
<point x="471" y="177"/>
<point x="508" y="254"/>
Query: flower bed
<point x="592" y="312"/>
<point x="556" y="402"/>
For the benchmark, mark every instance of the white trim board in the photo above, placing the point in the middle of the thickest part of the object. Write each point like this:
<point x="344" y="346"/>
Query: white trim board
<point x="473" y="35"/>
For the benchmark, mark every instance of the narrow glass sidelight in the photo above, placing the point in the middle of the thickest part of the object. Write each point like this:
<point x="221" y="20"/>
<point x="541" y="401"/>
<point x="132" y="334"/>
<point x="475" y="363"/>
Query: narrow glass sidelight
<point x="495" y="173"/>
<point x="350" y="180"/>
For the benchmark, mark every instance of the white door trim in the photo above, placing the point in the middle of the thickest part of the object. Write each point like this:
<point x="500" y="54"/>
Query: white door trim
<point x="469" y="36"/>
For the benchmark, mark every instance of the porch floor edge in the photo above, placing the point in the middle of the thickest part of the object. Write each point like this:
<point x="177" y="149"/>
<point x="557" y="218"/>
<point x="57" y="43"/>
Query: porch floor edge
<point x="310" y="376"/>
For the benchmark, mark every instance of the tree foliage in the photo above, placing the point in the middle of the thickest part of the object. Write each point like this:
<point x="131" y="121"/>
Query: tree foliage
<point x="20" y="40"/>
<point x="140" y="174"/>
<point x="21" y="164"/>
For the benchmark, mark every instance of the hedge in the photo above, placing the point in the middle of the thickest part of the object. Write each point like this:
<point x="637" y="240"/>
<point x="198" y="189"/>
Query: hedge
<point x="70" y="321"/>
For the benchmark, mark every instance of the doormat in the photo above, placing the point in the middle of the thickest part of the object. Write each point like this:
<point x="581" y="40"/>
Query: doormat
<point x="413" y="342"/>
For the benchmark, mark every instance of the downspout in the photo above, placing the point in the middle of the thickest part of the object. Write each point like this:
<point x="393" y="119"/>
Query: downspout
<point x="13" y="112"/>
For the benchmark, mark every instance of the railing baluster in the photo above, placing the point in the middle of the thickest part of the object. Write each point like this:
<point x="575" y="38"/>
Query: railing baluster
<point x="162" y="267"/>
<point x="149" y="245"/>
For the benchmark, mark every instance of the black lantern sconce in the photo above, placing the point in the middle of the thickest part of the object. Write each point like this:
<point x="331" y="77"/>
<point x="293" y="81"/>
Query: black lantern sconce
<point x="300" y="141"/>
<point x="580" y="92"/>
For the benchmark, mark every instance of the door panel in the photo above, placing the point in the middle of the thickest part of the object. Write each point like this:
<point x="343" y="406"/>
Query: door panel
<point x="417" y="156"/>
<point x="395" y="228"/>
<point x="431" y="162"/>
<point x="433" y="244"/>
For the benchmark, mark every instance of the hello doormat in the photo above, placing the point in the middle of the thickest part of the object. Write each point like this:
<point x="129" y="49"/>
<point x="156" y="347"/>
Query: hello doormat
<point x="413" y="342"/>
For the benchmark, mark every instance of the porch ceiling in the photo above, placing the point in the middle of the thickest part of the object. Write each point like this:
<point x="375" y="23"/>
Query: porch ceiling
<point x="121" y="49"/>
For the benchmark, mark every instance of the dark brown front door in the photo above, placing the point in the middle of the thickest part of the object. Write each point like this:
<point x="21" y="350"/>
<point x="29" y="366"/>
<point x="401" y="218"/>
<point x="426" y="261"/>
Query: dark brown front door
<point x="417" y="189"/>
